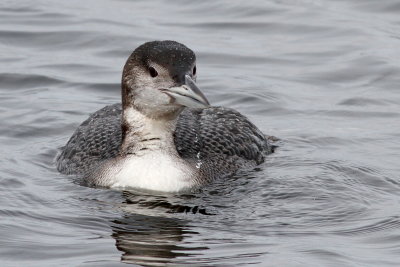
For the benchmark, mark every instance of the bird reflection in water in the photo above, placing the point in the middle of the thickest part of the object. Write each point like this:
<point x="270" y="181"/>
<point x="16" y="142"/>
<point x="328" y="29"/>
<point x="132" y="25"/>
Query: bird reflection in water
<point x="150" y="235"/>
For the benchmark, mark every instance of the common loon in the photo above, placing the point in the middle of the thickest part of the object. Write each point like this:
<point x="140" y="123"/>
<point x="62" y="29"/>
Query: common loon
<point x="165" y="136"/>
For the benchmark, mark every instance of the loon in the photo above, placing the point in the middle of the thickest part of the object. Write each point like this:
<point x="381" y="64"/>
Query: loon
<point x="164" y="136"/>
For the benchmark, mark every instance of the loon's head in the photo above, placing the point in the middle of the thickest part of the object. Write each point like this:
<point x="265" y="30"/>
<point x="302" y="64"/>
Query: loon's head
<point x="158" y="80"/>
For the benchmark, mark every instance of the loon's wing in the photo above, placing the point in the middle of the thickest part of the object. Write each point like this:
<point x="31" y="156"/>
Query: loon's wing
<point x="98" y="138"/>
<point x="220" y="138"/>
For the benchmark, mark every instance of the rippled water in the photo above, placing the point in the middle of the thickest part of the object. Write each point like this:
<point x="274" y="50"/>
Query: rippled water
<point x="321" y="75"/>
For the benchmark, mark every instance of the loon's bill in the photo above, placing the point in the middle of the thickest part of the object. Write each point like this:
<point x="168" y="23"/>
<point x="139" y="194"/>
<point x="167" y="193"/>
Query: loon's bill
<point x="188" y="94"/>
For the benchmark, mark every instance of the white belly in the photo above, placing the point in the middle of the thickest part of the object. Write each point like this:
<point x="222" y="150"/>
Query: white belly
<point x="152" y="171"/>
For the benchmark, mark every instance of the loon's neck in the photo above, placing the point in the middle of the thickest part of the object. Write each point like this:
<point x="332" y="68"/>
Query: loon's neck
<point x="142" y="134"/>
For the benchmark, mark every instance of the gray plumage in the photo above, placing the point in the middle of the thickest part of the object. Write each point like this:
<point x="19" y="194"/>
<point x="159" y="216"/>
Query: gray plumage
<point x="220" y="139"/>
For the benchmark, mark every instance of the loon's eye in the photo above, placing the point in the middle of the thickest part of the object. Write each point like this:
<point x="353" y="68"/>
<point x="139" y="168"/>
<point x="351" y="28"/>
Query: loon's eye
<point x="153" y="72"/>
<point x="194" y="70"/>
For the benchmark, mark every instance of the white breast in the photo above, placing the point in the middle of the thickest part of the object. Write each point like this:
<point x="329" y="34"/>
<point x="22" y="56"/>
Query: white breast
<point x="152" y="171"/>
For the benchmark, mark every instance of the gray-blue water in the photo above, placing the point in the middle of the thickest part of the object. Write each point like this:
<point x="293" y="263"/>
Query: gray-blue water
<point x="322" y="75"/>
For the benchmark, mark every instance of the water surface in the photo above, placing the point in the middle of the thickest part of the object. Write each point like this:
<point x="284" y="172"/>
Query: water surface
<point x="321" y="75"/>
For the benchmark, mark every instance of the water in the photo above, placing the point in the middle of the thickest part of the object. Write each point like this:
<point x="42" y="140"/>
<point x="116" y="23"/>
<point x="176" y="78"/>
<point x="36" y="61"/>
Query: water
<point x="321" y="75"/>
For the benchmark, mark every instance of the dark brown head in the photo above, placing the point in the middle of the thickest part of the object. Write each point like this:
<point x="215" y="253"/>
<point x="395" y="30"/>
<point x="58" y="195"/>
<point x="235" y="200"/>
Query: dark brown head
<point x="158" y="79"/>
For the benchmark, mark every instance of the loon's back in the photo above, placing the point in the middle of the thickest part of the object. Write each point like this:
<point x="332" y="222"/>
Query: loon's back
<point x="221" y="140"/>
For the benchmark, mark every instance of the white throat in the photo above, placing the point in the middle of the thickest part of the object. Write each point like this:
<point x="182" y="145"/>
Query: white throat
<point x="145" y="133"/>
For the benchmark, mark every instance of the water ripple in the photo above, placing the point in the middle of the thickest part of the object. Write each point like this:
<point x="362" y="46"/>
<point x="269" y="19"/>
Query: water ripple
<point x="322" y="76"/>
